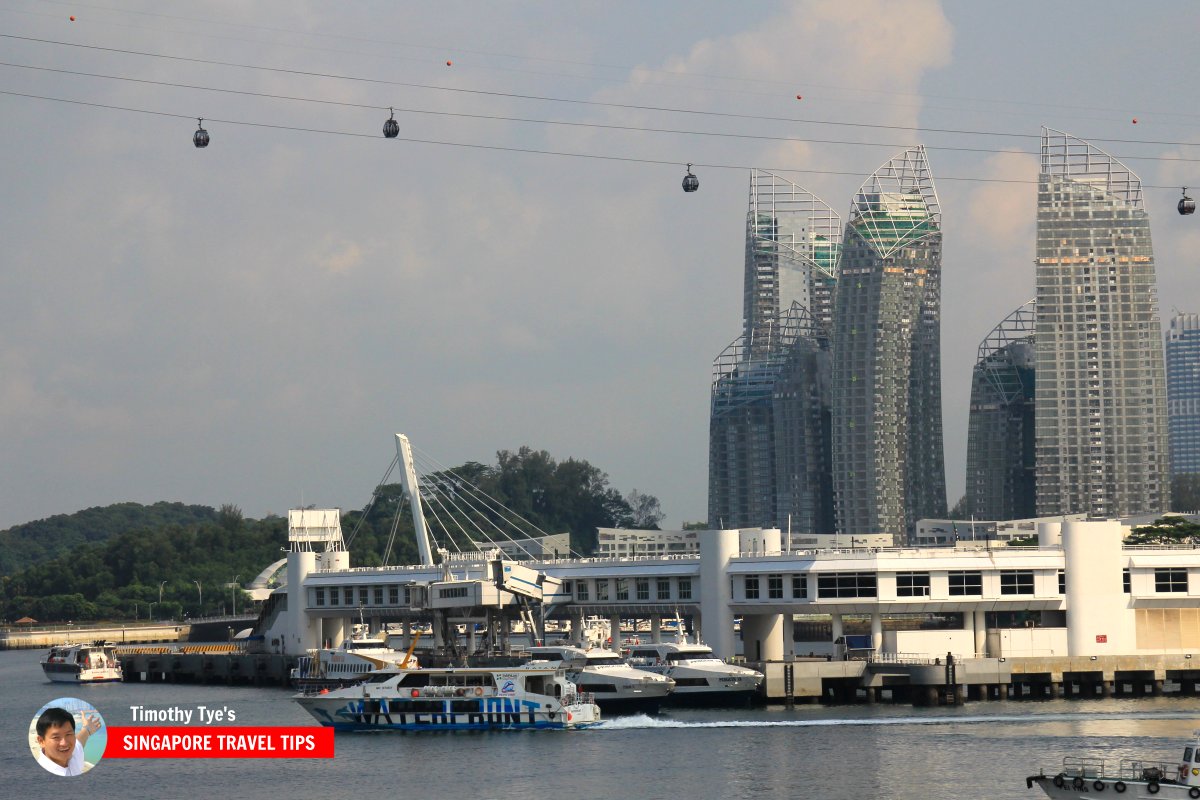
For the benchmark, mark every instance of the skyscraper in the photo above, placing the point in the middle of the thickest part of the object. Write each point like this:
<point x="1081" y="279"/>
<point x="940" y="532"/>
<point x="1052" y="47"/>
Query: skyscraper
<point x="1183" y="393"/>
<point x="1101" y="410"/>
<point x="769" y="458"/>
<point x="1000" y="453"/>
<point x="888" y="465"/>
<point x="792" y="243"/>
<point x="769" y="426"/>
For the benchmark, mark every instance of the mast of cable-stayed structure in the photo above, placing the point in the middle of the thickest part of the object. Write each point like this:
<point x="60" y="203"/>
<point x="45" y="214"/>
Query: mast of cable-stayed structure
<point x="408" y="475"/>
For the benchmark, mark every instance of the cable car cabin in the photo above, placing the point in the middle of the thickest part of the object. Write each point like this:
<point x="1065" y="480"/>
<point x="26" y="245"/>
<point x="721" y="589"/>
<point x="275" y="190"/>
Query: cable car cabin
<point x="200" y="137"/>
<point x="391" y="128"/>
<point x="690" y="182"/>
<point x="1186" y="204"/>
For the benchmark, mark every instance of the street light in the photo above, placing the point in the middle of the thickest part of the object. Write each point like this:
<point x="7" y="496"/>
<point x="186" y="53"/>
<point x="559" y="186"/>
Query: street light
<point x="233" y="592"/>
<point x="200" y="591"/>
<point x="160" y="588"/>
<point x="151" y="615"/>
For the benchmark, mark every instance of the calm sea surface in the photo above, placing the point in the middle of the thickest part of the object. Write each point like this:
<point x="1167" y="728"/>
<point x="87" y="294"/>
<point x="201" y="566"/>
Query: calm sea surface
<point x="981" y="750"/>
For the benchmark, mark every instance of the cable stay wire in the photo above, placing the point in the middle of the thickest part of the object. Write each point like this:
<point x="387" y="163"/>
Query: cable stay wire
<point x="564" y="123"/>
<point x="441" y="488"/>
<point x="573" y="101"/>
<point x="374" y="496"/>
<point x="490" y="504"/>
<point x="524" y="150"/>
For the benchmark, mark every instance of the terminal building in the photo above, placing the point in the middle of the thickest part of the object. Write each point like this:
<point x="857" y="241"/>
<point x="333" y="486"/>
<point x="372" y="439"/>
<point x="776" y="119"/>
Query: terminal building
<point x="1079" y="593"/>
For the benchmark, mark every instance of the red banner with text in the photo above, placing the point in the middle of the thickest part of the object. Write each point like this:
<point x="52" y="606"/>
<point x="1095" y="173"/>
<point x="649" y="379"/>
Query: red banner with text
<point x="226" y="742"/>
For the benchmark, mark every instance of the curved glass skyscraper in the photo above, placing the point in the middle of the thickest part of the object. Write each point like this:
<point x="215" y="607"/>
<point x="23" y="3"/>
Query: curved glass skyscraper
<point x="1000" y="454"/>
<point x="1101" y="417"/>
<point x="888" y="465"/>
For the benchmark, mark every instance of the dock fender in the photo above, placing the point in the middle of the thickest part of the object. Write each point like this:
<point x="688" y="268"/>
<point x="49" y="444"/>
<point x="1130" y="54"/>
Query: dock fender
<point x="1098" y="785"/>
<point x="1077" y="782"/>
<point x="1119" y="787"/>
<point x="1152" y="787"/>
<point x="1060" y="781"/>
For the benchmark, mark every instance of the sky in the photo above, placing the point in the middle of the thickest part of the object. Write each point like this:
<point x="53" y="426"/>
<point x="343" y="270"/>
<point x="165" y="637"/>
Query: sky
<point x="252" y="322"/>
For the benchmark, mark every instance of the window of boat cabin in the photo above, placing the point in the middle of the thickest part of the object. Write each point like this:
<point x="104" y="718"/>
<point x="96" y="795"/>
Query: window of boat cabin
<point x="775" y="587"/>
<point x="380" y="677"/>
<point x="643" y="588"/>
<point x="800" y="586"/>
<point x="536" y="684"/>
<point x="664" y="589"/>
<point x="319" y="595"/>
<point x="1187" y="754"/>
<point x="751" y="587"/>
<point x="602" y="588"/>
<point x="622" y="588"/>
<point x="685" y="588"/>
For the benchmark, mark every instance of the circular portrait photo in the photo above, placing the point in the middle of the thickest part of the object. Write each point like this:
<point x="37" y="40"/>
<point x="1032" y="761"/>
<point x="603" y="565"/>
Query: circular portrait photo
<point x="67" y="736"/>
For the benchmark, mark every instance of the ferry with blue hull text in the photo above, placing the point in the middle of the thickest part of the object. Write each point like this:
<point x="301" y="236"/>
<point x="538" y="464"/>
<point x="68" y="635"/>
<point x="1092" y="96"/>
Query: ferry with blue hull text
<point x="455" y="699"/>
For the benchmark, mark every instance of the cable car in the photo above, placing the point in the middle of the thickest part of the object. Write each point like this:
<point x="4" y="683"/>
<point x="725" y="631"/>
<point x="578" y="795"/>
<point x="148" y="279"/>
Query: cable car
<point x="200" y="137"/>
<point x="391" y="128"/>
<point x="690" y="182"/>
<point x="1186" y="204"/>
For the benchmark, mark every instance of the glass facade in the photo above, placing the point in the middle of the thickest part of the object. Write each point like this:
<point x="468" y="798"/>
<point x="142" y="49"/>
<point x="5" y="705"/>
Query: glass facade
<point x="1183" y="393"/>
<point x="769" y="452"/>
<point x="1000" y="453"/>
<point x="1101" y="411"/>
<point x="889" y="468"/>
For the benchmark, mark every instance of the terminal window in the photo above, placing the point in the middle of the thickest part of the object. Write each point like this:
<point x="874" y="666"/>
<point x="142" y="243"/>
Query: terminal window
<point x="1016" y="581"/>
<point x="966" y="583"/>
<point x="685" y="588"/>
<point x="799" y="586"/>
<point x="664" y="589"/>
<point x="751" y="587"/>
<point x="1170" y="579"/>
<point x="847" y="584"/>
<point x="320" y="594"/>
<point x="643" y="588"/>
<point x="912" y="584"/>
<point x="775" y="587"/>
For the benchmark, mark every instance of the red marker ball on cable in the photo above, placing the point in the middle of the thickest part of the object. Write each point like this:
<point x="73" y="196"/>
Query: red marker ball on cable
<point x="1135" y="120"/>
<point x="449" y="63"/>
<point x="799" y="97"/>
<point x="72" y="19"/>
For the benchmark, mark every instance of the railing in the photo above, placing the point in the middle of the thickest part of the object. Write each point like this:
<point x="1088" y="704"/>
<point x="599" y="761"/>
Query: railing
<point x="579" y="697"/>
<point x="1128" y="769"/>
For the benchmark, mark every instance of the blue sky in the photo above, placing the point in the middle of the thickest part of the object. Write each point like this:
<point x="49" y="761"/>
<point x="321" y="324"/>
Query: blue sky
<point x="251" y="323"/>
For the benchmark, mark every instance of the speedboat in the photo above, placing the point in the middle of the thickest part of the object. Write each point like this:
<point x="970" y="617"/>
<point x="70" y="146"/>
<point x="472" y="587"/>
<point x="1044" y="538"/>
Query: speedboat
<point x="617" y="687"/>
<point x="701" y="679"/>
<point x="335" y="667"/>
<point x="83" y="663"/>
<point x="455" y="699"/>
<point x="1128" y="777"/>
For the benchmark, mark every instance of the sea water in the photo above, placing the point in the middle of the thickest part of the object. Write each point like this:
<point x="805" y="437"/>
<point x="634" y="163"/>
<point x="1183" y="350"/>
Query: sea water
<point x="980" y="750"/>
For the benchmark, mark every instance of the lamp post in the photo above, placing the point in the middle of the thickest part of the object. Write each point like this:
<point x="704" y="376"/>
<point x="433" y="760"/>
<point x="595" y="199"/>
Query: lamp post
<point x="233" y="592"/>
<point x="160" y="588"/>
<point x="200" y="592"/>
<point x="151" y="615"/>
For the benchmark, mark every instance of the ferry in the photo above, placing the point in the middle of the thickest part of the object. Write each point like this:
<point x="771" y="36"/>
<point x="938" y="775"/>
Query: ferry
<point x="83" y="663"/>
<point x="455" y="699"/>
<point x="335" y="667"/>
<point x="701" y="679"/>
<point x="1129" y="778"/>
<point x="617" y="687"/>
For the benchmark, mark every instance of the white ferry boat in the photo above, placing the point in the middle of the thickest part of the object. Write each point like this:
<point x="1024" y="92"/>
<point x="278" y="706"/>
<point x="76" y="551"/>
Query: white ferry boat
<point x="700" y="677"/>
<point x="617" y="687"/>
<point x="335" y="667"/>
<point x="455" y="699"/>
<point x="83" y="663"/>
<point x="1129" y="778"/>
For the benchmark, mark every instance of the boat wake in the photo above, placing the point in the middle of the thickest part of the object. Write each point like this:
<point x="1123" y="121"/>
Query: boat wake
<point x="644" y="721"/>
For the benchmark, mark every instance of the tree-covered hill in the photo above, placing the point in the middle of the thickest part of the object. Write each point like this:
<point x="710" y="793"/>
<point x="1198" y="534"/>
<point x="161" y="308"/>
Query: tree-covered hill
<point x="112" y="563"/>
<point x="34" y="542"/>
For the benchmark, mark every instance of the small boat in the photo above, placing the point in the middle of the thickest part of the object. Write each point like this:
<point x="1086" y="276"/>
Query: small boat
<point x="455" y="699"/>
<point x="1129" y="778"/>
<point x="701" y="679"/>
<point x="83" y="663"/>
<point x="617" y="687"/>
<point x="335" y="667"/>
